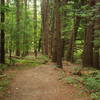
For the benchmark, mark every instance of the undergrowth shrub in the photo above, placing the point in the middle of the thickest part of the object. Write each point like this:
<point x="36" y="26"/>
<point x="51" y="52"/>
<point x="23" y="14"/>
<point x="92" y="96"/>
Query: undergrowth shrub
<point x="92" y="83"/>
<point x="77" y="70"/>
<point x="2" y="68"/>
<point x="70" y="80"/>
<point x="89" y="78"/>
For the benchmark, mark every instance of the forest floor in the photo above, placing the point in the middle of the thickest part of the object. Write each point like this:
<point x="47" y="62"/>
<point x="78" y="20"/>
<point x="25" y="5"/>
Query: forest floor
<point x="44" y="82"/>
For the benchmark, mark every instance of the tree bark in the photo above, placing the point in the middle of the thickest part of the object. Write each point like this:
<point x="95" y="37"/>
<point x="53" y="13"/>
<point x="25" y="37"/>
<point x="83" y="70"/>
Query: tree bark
<point x="58" y="33"/>
<point x="2" y="34"/>
<point x="35" y="27"/>
<point x="96" y="60"/>
<point x="18" y="27"/>
<point x="45" y="27"/>
<point x="88" y="42"/>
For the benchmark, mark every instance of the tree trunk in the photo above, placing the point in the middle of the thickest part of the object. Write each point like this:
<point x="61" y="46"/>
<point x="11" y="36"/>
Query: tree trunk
<point x="88" y="42"/>
<point x="54" y="53"/>
<point x="45" y="27"/>
<point x="35" y="27"/>
<point x="96" y="60"/>
<point x="2" y="34"/>
<point x="25" y="35"/>
<point x="58" y="33"/>
<point x="18" y="27"/>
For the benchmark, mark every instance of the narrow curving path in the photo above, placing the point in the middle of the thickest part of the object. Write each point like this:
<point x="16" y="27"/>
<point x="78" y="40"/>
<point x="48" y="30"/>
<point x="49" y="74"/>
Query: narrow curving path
<point x="42" y="83"/>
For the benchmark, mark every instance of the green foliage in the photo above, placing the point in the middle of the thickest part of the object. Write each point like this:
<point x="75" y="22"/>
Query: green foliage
<point x="77" y="55"/>
<point x="43" y="59"/>
<point x="92" y="83"/>
<point x="77" y="70"/>
<point x="5" y="80"/>
<point x="3" y="84"/>
<point x="70" y="80"/>
<point x="28" y="61"/>
<point x="89" y="78"/>
<point x="4" y="8"/>
<point x="25" y="32"/>
<point x="2" y="68"/>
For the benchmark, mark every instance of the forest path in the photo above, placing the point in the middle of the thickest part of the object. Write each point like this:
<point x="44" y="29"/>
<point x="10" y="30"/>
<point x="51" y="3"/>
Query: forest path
<point x="42" y="83"/>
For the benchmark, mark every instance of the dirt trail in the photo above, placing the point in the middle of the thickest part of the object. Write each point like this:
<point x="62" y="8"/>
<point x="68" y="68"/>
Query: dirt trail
<point x="42" y="83"/>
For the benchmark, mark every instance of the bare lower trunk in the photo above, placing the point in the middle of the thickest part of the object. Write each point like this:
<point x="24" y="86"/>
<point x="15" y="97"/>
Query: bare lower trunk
<point x="35" y="28"/>
<point x="58" y="33"/>
<point x="45" y="28"/>
<point x="18" y="28"/>
<point x="96" y="60"/>
<point x="2" y="35"/>
<point x="88" y="41"/>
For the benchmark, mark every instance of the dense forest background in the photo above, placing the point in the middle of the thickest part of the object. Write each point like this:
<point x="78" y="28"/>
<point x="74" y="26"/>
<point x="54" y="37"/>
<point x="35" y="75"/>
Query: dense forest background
<point x="61" y="29"/>
<point x="58" y="30"/>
